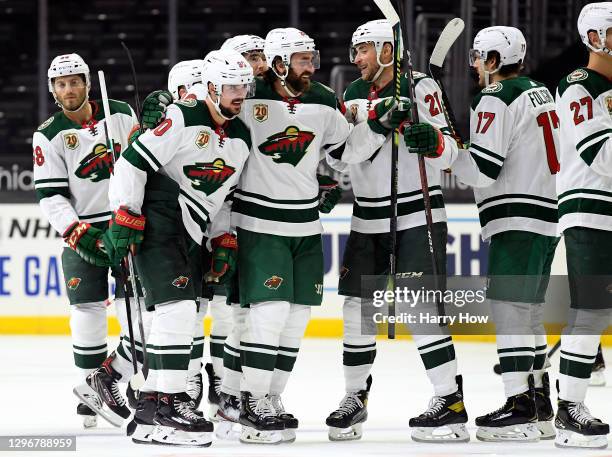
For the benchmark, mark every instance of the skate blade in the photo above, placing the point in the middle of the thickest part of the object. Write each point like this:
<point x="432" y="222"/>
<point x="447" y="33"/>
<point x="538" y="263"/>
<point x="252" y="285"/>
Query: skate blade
<point x="546" y="429"/>
<point x="90" y="421"/>
<point x="354" y="432"/>
<point x="288" y="435"/>
<point x="168" y="436"/>
<point x="567" y="439"/>
<point x="142" y="434"/>
<point x="525" y="433"/>
<point x="89" y="396"/>
<point x="227" y="430"/>
<point x="249" y="435"/>
<point x="598" y="379"/>
<point x="451" y="433"/>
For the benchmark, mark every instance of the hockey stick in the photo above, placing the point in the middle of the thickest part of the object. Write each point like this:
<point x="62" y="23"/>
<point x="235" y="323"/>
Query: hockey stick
<point x="127" y="266"/>
<point x="392" y="16"/>
<point x="447" y="38"/>
<point x="497" y="366"/>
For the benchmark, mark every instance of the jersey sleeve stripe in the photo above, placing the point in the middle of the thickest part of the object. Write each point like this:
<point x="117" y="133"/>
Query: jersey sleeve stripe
<point x="485" y="151"/>
<point x="51" y="182"/>
<point x="148" y="155"/>
<point x="137" y="159"/>
<point x="592" y="137"/>
<point x="52" y="191"/>
<point x="192" y="202"/>
<point x="589" y="153"/>
<point x="486" y="167"/>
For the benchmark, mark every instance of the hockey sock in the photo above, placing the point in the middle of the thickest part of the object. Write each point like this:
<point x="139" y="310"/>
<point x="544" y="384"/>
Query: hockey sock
<point x="259" y="346"/>
<point x="438" y="355"/>
<point x="288" y="346"/>
<point x="359" y="351"/>
<point x="123" y="361"/>
<point x="197" y="346"/>
<point x="232" y="370"/>
<point x="541" y="349"/>
<point x="221" y="326"/>
<point x="170" y="345"/>
<point x="88" y="327"/>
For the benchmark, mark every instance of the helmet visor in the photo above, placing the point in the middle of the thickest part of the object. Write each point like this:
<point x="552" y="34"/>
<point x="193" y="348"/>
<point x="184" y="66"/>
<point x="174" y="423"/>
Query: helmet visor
<point x="306" y="59"/>
<point x="475" y="54"/>
<point x="239" y="90"/>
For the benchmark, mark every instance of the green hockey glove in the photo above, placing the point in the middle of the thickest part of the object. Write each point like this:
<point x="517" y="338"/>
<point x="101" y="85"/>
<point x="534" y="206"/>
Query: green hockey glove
<point x="424" y="139"/>
<point x="126" y="229"/>
<point x="86" y="241"/>
<point x="329" y="193"/>
<point x="223" y="263"/>
<point x="388" y="115"/>
<point x="154" y="108"/>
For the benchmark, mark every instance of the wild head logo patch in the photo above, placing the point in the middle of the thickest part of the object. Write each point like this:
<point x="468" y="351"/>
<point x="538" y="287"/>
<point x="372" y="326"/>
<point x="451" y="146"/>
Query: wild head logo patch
<point x="273" y="282"/>
<point x="73" y="283"/>
<point x="98" y="164"/>
<point x="207" y="177"/>
<point x="181" y="282"/>
<point x="71" y="140"/>
<point x="288" y="146"/>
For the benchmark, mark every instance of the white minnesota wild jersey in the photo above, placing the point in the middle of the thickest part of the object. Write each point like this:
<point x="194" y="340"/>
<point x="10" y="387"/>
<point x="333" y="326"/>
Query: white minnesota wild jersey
<point x="367" y="158"/>
<point x="278" y="190"/>
<point x="71" y="161"/>
<point x="204" y="159"/>
<point x="584" y="186"/>
<point x="512" y="159"/>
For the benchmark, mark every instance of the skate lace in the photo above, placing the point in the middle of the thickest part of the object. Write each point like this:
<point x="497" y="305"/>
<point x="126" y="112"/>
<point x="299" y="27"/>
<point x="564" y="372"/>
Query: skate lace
<point x="194" y="386"/>
<point x="262" y="407"/>
<point x="186" y="409"/>
<point x="350" y="403"/>
<point x="217" y="384"/>
<point x="436" y="404"/>
<point x="580" y="412"/>
<point x="117" y="394"/>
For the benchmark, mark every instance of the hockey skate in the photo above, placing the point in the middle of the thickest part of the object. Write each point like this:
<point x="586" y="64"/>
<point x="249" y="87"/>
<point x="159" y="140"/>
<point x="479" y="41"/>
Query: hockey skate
<point x="546" y="415"/>
<point x="214" y="388"/>
<point x="102" y="383"/>
<point x="291" y="423"/>
<point x="141" y="426"/>
<point x="90" y="419"/>
<point x="130" y="394"/>
<point x="195" y="389"/>
<point x="515" y="421"/>
<point x="259" y="422"/>
<point x="345" y="423"/>
<point x="227" y="417"/>
<point x="444" y="421"/>
<point x="598" y="377"/>
<point x="576" y="427"/>
<point x="178" y="424"/>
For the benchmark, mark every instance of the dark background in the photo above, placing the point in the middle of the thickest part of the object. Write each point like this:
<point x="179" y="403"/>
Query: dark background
<point x="161" y="32"/>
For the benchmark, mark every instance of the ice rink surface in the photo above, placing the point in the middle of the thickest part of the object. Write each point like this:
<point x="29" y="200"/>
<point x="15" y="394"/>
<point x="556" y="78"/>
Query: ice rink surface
<point x="37" y="376"/>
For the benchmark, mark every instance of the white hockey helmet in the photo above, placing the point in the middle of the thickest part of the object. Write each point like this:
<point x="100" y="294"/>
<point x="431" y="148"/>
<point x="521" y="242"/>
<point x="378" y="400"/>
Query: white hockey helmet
<point x="65" y="65"/>
<point x="284" y="43"/>
<point x="509" y="42"/>
<point x="377" y="32"/>
<point x="227" y="69"/>
<point x="596" y="17"/>
<point x="186" y="74"/>
<point x="244" y="43"/>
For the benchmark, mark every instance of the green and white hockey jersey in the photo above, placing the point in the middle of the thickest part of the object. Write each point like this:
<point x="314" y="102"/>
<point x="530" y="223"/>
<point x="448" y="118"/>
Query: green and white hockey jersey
<point x="72" y="167"/>
<point x="204" y="159"/>
<point x="584" y="186"/>
<point x="512" y="158"/>
<point x="367" y="158"/>
<point x="278" y="190"/>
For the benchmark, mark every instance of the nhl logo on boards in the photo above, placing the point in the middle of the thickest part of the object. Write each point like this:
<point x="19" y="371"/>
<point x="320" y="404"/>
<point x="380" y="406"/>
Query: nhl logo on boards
<point x="203" y="139"/>
<point x="260" y="112"/>
<point x="273" y="282"/>
<point x="71" y="140"/>
<point x="577" y="75"/>
<point x="73" y="283"/>
<point x="180" y="282"/>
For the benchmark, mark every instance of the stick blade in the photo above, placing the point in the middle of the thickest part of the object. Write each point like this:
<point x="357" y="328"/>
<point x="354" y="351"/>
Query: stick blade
<point x="388" y="11"/>
<point x="447" y="38"/>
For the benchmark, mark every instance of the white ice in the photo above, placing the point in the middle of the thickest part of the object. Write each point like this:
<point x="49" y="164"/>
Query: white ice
<point x="36" y="380"/>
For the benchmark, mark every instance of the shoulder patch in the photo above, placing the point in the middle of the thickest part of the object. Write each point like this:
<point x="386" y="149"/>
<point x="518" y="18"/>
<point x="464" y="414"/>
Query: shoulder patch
<point x="189" y="103"/>
<point x="46" y="124"/>
<point x="577" y="75"/>
<point x="493" y="88"/>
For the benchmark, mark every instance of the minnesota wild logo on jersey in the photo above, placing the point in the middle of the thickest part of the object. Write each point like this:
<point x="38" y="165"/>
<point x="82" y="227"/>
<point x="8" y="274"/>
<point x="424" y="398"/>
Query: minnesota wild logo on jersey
<point x="207" y="177"/>
<point x="288" y="146"/>
<point x="98" y="164"/>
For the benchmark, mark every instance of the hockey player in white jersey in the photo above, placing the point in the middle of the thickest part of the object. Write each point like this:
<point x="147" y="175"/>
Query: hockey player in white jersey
<point x="176" y="177"/>
<point x="584" y="188"/>
<point x="369" y="105"/>
<point x="71" y="175"/>
<point x="512" y="162"/>
<point x="294" y="123"/>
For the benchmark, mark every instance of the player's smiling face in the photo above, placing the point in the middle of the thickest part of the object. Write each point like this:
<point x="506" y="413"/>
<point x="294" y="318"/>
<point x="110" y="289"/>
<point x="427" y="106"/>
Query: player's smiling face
<point x="70" y="91"/>
<point x="257" y="61"/>
<point x="365" y="59"/>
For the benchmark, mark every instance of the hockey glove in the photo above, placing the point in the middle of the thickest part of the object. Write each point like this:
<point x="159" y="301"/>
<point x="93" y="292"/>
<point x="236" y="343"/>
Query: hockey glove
<point x="424" y="139"/>
<point x="126" y="229"/>
<point x="223" y="263"/>
<point x="86" y="241"/>
<point x="388" y="115"/>
<point x="154" y="108"/>
<point x="329" y="193"/>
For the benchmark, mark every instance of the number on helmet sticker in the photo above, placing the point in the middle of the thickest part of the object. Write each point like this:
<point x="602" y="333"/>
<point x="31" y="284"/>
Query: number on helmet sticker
<point x="39" y="158"/>
<point x="163" y="127"/>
